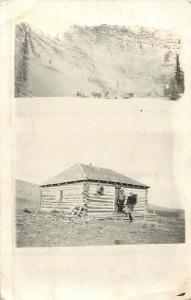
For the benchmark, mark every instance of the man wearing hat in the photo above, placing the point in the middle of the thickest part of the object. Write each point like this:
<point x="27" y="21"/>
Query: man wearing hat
<point x="121" y="201"/>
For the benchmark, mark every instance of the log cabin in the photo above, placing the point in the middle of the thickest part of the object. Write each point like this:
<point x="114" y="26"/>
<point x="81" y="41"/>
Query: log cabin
<point x="98" y="188"/>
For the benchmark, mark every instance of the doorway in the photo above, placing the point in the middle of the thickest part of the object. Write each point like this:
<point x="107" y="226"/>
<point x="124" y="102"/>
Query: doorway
<point x="117" y="190"/>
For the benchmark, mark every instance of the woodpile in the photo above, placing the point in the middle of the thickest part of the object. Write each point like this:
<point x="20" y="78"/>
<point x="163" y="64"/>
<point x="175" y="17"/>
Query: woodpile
<point x="76" y="214"/>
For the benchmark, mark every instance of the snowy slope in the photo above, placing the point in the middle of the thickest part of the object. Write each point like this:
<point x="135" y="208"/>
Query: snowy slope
<point x="100" y="58"/>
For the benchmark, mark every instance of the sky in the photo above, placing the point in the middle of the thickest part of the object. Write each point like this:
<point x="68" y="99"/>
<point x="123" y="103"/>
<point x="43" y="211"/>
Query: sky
<point x="41" y="15"/>
<point x="50" y="143"/>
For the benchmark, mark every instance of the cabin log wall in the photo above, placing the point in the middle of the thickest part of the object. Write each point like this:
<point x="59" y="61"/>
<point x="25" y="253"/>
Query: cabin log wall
<point x="72" y="196"/>
<point x="101" y="204"/>
<point x="86" y="192"/>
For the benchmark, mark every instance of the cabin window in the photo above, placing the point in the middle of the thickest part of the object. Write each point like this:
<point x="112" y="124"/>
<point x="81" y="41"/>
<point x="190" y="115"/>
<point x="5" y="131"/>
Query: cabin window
<point x="100" y="190"/>
<point x="60" y="196"/>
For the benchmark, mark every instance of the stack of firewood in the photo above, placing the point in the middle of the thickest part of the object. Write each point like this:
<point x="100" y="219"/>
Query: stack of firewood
<point x="79" y="211"/>
<point x="74" y="215"/>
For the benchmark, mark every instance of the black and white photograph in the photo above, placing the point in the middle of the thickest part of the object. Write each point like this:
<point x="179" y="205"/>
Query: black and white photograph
<point x="99" y="185"/>
<point x="109" y="60"/>
<point x="95" y="149"/>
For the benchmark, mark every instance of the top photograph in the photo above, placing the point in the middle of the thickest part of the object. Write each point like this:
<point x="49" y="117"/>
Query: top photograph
<point x="103" y="61"/>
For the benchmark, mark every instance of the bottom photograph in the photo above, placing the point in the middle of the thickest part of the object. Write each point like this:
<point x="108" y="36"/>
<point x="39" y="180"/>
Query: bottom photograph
<point x="95" y="189"/>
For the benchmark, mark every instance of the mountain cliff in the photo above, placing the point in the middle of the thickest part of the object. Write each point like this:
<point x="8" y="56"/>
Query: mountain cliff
<point x="105" y="58"/>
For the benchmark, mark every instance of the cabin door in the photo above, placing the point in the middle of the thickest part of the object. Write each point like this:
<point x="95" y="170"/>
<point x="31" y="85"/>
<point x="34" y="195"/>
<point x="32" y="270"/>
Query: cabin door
<point x="117" y="190"/>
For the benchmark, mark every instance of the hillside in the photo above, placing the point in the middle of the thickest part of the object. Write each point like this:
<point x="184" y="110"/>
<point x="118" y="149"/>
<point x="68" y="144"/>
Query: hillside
<point x="27" y="195"/>
<point x="104" y="58"/>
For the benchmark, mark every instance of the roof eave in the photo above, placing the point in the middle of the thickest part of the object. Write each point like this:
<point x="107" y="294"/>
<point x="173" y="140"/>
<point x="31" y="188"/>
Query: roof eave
<point x="96" y="180"/>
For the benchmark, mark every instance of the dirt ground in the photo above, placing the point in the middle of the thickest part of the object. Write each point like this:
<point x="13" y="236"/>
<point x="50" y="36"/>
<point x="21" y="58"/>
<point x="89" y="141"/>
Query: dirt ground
<point x="40" y="229"/>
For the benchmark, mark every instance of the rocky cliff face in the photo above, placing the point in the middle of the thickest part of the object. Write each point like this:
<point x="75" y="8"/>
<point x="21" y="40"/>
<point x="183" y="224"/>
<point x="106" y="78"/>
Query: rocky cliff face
<point x="103" y="58"/>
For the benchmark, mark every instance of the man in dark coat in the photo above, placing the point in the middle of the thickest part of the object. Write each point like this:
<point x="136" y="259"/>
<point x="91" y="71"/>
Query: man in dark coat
<point x="121" y="201"/>
<point x="130" y="203"/>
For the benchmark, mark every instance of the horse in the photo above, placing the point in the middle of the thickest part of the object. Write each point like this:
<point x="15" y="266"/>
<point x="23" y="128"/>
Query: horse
<point x="96" y="95"/>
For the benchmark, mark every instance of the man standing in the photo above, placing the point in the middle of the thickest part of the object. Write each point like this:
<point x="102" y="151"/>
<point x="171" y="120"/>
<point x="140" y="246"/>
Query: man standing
<point x="121" y="201"/>
<point x="130" y="203"/>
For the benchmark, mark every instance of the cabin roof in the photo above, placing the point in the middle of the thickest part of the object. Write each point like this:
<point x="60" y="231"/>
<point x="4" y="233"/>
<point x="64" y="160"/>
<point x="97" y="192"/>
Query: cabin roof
<point x="80" y="172"/>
